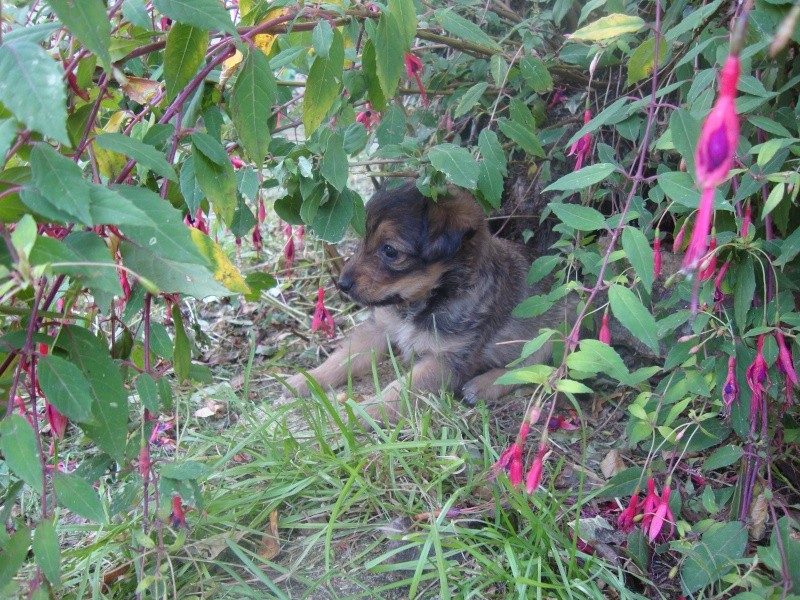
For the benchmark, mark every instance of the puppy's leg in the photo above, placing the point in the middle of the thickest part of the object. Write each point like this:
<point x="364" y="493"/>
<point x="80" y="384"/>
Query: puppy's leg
<point x="426" y="376"/>
<point x="354" y="356"/>
<point x="483" y="386"/>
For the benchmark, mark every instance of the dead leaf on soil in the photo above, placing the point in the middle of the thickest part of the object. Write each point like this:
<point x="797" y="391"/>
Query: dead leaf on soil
<point x="612" y="464"/>
<point x="270" y="546"/>
<point x="213" y="408"/>
<point x="758" y="517"/>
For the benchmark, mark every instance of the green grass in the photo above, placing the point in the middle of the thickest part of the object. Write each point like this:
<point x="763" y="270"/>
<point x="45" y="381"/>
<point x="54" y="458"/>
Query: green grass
<point x="337" y="490"/>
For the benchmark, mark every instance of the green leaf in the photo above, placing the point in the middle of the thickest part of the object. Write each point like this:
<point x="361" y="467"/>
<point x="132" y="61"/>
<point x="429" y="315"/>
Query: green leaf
<point x="569" y="386"/>
<point x="490" y="184"/>
<point x="183" y="55"/>
<point x="522" y="135"/>
<point x="640" y="64"/>
<point x="14" y="554"/>
<point x="205" y="14"/>
<point x="8" y="135"/>
<point x="389" y="52"/>
<point x="542" y="267"/>
<point x="723" y="457"/>
<point x="640" y="254"/>
<point x="680" y="187"/>
<point x="370" y="68"/>
<point x="148" y="392"/>
<point x="774" y="198"/>
<point x="406" y="16"/>
<point x="687" y="23"/>
<point x="606" y="28"/>
<point x="585" y="177"/>
<point x="332" y="218"/>
<point x="492" y="151"/>
<point x="88" y="21"/>
<point x="582" y="218"/>
<point x="109" y="398"/>
<point x="614" y="113"/>
<point x="321" y="38"/>
<point x="456" y="25"/>
<point x="745" y="279"/>
<point x="535" y="74"/>
<point x="537" y="374"/>
<point x="717" y="553"/>
<point x="59" y="181"/>
<point x="622" y="484"/>
<point x="66" y="388"/>
<point x="323" y="85"/>
<point x="18" y="443"/>
<point x="630" y="311"/>
<point x="33" y="89"/>
<point x="210" y="148"/>
<point x="186" y="470"/>
<point x="597" y="357"/>
<point x="144" y="154"/>
<point x="457" y="163"/>
<point x="251" y="104"/>
<point x="533" y="306"/>
<point x="182" y="356"/>
<point x="685" y="132"/>
<point x="47" y="551"/>
<point x="171" y="276"/>
<point x="392" y="128"/>
<point x="136" y="12"/>
<point x="218" y="184"/>
<point x="101" y="277"/>
<point x="80" y="497"/>
<point x="470" y="98"/>
<point x="334" y="166"/>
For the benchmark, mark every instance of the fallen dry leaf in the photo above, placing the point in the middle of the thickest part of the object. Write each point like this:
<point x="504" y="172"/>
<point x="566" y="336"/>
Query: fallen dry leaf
<point x="612" y="464"/>
<point x="270" y="546"/>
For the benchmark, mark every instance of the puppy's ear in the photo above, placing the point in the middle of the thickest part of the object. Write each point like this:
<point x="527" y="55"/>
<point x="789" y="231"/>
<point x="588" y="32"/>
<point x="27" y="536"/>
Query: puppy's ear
<point x="451" y="222"/>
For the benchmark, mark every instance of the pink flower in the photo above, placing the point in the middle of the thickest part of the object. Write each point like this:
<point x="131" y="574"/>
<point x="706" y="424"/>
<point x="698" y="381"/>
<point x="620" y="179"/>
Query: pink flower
<point x="786" y="366"/>
<point x="288" y="248"/>
<point x="237" y="162"/>
<point x="511" y="458"/>
<point x="414" y="69"/>
<point x="650" y="502"/>
<point x="677" y="240"/>
<point x="262" y="211"/>
<point x="178" y="516"/>
<point x="257" y="241"/>
<point x="580" y="149"/>
<point x="702" y="225"/>
<point x="557" y="98"/>
<point x="709" y="265"/>
<point x="730" y="391"/>
<point x="656" y="255"/>
<point x="756" y="376"/>
<point x="720" y="133"/>
<point x="719" y="297"/>
<point x="534" y="477"/>
<point x="322" y="316"/>
<point x="662" y="514"/>
<point x="626" y="518"/>
<point x="605" y="332"/>
<point x="368" y="117"/>
<point x="57" y="421"/>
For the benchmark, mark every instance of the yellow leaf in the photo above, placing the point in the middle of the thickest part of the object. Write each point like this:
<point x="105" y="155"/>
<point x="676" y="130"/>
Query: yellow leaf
<point x="265" y="41"/>
<point x="141" y="90"/>
<point x="229" y="67"/>
<point x="116" y="122"/>
<point x="224" y="271"/>
<point x="109" y="163"/>
<point x="608" y="27"/>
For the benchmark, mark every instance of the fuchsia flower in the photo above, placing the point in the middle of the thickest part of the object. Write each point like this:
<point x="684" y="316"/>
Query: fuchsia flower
<point x="720" y="134"/>
<point x="657" y="254"/>
<point x="178" y="516"/>
<point x="661" y="515"/>
<point x="511" y="458"/>
<point x="534" y="477"/>
<point x="288" y="248"/>
<point x="322" y="316"/>
<point x="719" y="297"/>
<point x="702" y="225"/>
<point x="786" y="366"/>
<point x="650" y="502"/>
<point x="626" y="518"/>
<point x="414" y="69"/>
<point x="730" y="391"/>
<point x="558" y="97"/>
<point x="57" y="421"/>
<point x="257" y="241"/>
<point x="756" y="376"/>
<point x="368" y="117"/>
<point x="237" y="162"/>
<point x="262" y="211"/>
<point x="605" y="332"/>
<point x="677" y="240"/>
<point x="581" y="149"/>
<point x="709" y="265"/>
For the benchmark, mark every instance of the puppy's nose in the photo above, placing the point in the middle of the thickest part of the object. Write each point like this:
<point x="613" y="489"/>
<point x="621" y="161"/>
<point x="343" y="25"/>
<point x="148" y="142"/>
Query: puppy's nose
<point x="345" y="283"/>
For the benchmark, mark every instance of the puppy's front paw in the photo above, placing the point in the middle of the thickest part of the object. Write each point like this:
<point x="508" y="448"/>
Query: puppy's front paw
<point x="299" y="384"/>
<point x="469" y="395"/>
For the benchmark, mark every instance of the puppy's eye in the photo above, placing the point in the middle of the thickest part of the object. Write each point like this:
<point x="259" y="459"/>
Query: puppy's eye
<point x="389" y="251"/>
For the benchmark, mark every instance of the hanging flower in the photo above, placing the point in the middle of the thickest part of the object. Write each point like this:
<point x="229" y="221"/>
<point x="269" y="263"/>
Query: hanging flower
<point x="262" y="211"/>
<point x="662" y="514"/>
<point x="178" y="516"/>
<point x="650" y="502"/>
<point x="605" y="332"/>
<point x="368" y="117"/>
<point x="511" y="459"/>
<point x="702" y="225"/>
<point x="756" y="376"/>
<point x="746" y="220"/>
<point x="719" y="297"/>
<point x="257" y="241"/>
<point x="730" y="391"/>
<point x="786" y="366"/>
<point x="237" y="162"/>
<point x="709" y="265"/>
<point x="57" y="421"/>
<point x="288" y="248"/>
<point x="322" y="317"/>
<point x="626" y="518"/>
<point x="677" y="240"/>
<point x="580" y="149"/>
<point x="719" y="136"/>
<point x="534" y="477"/>
<point x="414" y="69"/>
<point x="657" y="254"/>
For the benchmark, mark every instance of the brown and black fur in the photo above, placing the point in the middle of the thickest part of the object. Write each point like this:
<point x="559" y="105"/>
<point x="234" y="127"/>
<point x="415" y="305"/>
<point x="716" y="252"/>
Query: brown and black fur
<point x="442" y="290"/>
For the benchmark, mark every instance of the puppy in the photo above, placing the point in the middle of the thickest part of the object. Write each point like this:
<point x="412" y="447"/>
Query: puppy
<point x="442" y="291"/>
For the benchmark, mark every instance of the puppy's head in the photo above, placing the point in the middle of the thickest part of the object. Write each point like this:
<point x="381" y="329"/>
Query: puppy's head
<point x="410" y="243"/>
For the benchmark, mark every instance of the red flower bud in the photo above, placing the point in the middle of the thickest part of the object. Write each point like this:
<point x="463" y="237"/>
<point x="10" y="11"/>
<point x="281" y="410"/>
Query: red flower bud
<point x="656" y="255"/>
<point x="605" y="332"/>
<point x="730" y="391"/>
<point x="709" y="265"/>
